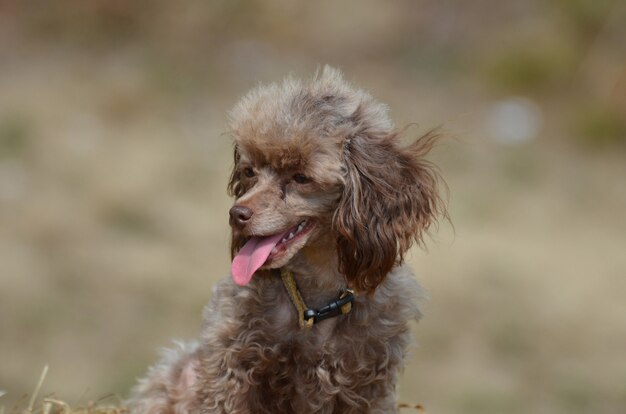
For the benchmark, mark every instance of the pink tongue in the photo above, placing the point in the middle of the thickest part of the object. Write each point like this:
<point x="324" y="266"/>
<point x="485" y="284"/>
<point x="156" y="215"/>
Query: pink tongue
<point x="252" y="256"/>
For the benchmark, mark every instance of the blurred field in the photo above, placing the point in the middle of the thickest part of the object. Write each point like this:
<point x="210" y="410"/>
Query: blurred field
<point x="113" y="165"/>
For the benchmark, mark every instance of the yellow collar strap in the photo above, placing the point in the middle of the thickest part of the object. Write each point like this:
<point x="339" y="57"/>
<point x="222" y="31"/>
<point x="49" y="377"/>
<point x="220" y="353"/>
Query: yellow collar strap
<point x="307" y="317"/>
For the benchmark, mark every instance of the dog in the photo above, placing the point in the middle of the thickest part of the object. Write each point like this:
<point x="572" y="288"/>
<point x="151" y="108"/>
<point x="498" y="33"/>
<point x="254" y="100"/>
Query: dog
<point x="315" y="316"/>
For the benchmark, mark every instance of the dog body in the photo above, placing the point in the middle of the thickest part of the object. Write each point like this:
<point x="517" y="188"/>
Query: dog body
<point x="324" y="191"/>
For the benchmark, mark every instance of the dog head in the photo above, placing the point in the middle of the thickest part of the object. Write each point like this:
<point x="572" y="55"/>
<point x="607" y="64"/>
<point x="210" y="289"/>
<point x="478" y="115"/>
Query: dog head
<point x="319" y="164"/>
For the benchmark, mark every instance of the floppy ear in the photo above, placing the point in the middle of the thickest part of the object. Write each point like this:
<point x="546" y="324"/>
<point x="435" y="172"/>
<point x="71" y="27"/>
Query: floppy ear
<point x="390" y="199"/>
<point x="235" y="189"/>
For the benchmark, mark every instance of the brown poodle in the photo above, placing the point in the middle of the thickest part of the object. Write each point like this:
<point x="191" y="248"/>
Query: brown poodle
<point x="315" y="317"/>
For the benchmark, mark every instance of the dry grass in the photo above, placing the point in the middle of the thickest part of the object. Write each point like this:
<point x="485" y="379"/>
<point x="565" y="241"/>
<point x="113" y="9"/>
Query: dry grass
<point x="50" y="405"/>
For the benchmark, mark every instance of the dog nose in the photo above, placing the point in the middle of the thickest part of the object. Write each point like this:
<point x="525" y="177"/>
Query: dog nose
<point x="240" y="215"/>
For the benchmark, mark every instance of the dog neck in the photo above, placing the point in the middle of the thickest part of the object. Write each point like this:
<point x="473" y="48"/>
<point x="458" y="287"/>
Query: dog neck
<point x="317" y="277"/>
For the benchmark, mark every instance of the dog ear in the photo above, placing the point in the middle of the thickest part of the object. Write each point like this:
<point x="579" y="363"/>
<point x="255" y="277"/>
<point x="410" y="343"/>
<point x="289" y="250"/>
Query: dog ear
<point x="235" y="189"/>
<point x="390" y="199"/>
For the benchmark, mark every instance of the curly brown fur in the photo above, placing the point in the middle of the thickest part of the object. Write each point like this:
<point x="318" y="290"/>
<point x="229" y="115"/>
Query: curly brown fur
<point x="325" y="152"/>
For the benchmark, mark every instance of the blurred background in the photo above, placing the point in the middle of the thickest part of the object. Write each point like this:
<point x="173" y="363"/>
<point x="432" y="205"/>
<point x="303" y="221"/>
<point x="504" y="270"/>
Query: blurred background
<point x="114" y="160"/>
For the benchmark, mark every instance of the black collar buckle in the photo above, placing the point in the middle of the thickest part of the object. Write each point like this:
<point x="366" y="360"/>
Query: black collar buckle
<point x="341" y="306"/>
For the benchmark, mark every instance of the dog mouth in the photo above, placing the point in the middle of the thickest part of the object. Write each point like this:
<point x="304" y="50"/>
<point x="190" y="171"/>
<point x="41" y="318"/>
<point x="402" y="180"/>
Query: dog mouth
<point x="292" y="236"/>
<point x="266" y="251"/>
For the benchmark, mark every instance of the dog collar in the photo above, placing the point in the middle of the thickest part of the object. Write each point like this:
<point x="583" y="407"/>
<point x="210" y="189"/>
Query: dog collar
<point x="307" y="317"/>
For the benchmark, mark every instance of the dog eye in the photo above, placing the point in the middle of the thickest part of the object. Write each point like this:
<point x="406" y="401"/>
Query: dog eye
<point x="248" y="172"/>
<point x="301" y="179"/>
